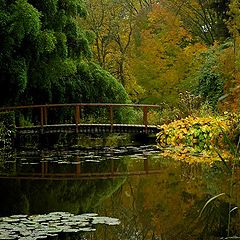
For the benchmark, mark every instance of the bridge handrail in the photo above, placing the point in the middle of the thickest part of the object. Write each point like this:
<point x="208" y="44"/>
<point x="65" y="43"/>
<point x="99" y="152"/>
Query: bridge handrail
<point x="79" y="104"/>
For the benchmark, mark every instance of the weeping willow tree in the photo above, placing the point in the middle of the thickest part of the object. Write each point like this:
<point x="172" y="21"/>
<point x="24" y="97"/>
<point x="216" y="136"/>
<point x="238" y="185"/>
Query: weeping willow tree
<point x="45" y="55"/>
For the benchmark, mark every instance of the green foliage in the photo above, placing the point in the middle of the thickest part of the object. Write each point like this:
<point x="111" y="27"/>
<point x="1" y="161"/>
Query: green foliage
<point x="19" y="21"/>
<point x="74" y="7"/>
<point x="7" y="128"/>
<point x="210" y="82"/>
<point x="8" y="119"/>
<point x="93" y="84"/>
<point x="46" y="41"/>
<point x="44" y="55"/>
<point x="24" y="20"/>
<point x="19" y="72"/>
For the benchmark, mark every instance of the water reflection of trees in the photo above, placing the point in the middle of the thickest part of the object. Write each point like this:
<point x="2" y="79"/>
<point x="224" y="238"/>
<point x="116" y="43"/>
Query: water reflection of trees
<point x="168" y="206"/>
<point x="164" y="206"/>
<point x="210" y="225"/>
<point x="19" y="196"/>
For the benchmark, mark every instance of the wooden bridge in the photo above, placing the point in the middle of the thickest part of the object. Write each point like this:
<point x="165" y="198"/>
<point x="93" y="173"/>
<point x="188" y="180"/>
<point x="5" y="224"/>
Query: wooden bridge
<point x="68" y="118"/>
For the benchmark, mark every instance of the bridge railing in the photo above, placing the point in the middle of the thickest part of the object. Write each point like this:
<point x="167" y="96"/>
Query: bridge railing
<point x="44" y="116"/>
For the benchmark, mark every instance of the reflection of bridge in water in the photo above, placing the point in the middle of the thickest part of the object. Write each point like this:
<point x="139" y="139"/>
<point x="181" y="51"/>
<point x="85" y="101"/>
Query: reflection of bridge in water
<point x="45" y="118"/>
<point x="44" y="173"/>
<point x="93" y="163"/>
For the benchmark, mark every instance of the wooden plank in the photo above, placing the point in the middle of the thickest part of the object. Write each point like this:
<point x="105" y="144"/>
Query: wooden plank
<point x="87" y="128"/>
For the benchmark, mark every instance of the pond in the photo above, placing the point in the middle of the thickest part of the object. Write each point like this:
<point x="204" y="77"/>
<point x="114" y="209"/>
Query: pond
<point x="130" y="192"/>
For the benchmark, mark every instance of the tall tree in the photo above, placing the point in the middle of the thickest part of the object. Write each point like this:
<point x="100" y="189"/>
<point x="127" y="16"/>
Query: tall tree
<point x="45" y="52"/>
<point x="205" y="19"/>
<point x="113" y="23"/>
<point x="231" y="65"/>
<point x="163" y="56"/>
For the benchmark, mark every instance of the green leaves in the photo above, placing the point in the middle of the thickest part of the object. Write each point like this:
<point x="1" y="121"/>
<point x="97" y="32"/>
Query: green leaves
<point x="46" y="41"/>
<point x="44" y="55"/>
<point x="73" y="7"/>
<point x="25" y="20"/>
<point x="210" y="81"/>
<point x="4" y="19"/>
<point x="19" y="70"/>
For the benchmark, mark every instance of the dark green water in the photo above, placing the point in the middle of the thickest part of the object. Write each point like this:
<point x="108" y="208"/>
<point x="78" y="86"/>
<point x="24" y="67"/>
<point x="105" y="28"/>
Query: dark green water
<point x="153" y="197"/>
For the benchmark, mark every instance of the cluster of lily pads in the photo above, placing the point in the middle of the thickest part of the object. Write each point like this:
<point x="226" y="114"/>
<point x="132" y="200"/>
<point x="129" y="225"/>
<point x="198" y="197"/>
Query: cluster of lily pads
<point x="48" y="226"/>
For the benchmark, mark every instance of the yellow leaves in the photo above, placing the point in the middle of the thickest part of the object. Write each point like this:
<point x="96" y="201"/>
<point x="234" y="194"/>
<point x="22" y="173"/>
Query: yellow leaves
<point x="194" y="49"/>
<point x="134" y="89"/>
<point x="189" y="154"/>
<point x="180" y="136"/>
<point x="184" y="130"/>
<point x="195" y="135"/>
<point x="157" y="65"/>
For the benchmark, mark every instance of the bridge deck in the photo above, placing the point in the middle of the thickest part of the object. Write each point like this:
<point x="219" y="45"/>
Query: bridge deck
<point x="88" y="128"/>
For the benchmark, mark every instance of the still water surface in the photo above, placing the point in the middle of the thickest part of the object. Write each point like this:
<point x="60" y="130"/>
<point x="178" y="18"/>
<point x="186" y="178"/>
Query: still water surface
<point x="152" y="196"/>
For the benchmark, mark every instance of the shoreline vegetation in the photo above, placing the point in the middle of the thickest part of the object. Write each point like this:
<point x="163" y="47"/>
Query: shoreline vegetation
<point x="193" y="138"/>
<point x="128" y="52"/>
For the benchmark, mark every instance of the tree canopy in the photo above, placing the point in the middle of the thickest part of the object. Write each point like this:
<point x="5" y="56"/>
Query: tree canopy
<point x="45" y="55"/>
<point x="167" y="47"/>
<point x="149" y="51"/>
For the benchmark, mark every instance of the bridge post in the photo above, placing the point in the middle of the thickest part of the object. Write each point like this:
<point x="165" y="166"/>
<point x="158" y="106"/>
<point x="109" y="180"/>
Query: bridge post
<point x="145" y="119"/>
<point x="44" y="168"/>
<point x="78" y="166"/>
<point x="112" y="167"/>
<point x="41" y="121"/>
<point x="77" y="117"/>
<point x="45" y="115"/>
<point x="111" y="117"/>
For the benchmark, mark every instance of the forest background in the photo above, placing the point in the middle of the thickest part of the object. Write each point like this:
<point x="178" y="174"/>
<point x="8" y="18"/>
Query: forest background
<point x="180" y="54"/>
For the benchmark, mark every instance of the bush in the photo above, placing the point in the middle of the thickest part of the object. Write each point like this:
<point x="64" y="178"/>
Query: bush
<point x="198" y="132"/>
<point x="210" y="79"/>
<point x="8" y="120"/>
<point x="7" y="129"/>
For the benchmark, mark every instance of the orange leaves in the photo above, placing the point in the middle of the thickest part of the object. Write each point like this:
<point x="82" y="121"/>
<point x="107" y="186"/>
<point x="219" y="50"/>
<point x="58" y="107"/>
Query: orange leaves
<point x="163" y="58"/>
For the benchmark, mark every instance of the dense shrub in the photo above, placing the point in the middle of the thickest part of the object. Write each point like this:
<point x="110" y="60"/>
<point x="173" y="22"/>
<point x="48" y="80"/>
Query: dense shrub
<point x="7" y="129"/>
<point x="198" y="132"/>
<point x="209" y="78"/>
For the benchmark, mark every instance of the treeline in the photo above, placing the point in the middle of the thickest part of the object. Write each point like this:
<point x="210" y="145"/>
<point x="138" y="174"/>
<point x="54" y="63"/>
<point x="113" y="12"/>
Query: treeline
<point x="164" y="51"/>
<point x="144" y="51"/>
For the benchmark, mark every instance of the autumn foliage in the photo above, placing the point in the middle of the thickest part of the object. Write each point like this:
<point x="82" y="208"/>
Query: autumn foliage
<point x="160" y="49"/>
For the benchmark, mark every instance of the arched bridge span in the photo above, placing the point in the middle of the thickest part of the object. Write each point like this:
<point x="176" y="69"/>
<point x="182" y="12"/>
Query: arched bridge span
<point x="73" y="118"/>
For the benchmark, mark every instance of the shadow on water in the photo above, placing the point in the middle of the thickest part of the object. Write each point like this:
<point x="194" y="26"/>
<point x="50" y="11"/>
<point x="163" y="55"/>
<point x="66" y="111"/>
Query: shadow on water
<point x="153" y="197"/>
